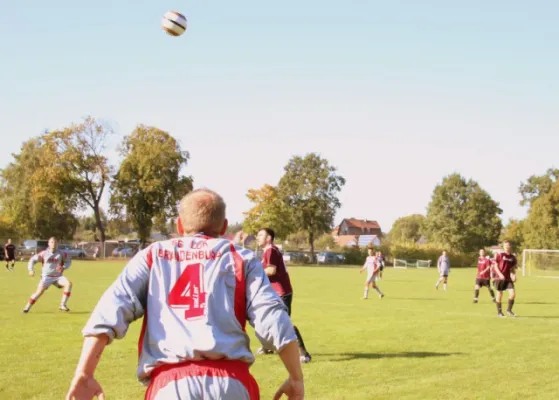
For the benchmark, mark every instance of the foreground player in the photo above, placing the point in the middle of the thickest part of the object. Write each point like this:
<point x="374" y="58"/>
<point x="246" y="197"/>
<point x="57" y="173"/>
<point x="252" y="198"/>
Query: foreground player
<point x="483" y="275"/>
<point x="55" y="262"/>
<point x="275" y="268"/>
<point x="195" y="294"/>
<point x="504" y="267"/>
<point x="372" y="265"/>
<point x="10" y="255"/>
<point x="443" y="265"/>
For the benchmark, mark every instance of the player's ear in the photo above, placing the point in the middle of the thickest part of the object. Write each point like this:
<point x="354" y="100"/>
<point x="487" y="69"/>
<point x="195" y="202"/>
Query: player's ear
<point x="180" y="229"/>
<point x="224" y="228"/>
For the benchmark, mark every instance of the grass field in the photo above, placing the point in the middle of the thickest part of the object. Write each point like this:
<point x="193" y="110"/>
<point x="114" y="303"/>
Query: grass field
<point x="416" y="343"/>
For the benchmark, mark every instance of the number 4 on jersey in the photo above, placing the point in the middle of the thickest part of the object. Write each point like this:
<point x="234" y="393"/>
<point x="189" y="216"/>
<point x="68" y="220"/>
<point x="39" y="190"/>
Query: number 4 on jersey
<point x="189" y="293"/>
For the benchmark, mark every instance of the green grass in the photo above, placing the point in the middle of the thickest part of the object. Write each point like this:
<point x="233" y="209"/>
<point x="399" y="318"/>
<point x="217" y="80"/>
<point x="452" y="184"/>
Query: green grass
<point x="416" y="343"/>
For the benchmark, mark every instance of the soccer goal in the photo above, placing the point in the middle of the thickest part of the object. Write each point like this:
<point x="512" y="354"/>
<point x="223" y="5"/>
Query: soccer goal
<point x="399" y="263"/>
<point x="540" y="263"/>
<point x="403" y="264"/>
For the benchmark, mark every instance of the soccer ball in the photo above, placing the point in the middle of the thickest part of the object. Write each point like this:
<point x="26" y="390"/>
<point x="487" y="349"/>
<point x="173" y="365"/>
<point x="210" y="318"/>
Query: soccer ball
<point x="174" y="23"/>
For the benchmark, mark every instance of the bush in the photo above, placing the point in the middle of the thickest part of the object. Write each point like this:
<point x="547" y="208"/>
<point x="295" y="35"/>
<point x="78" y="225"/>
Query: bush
<point x="356" y="256"/>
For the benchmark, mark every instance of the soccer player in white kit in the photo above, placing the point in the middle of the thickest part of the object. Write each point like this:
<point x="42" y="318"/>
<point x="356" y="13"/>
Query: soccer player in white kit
<point x="195" y="294"/>
<point x="372" y="265"/>
<point x="54" y="262"/>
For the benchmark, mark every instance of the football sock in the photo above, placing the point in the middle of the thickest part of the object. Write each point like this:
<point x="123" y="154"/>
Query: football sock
<point x="366" y="292"/>
<point x="302" y="348"/>
<point x="499" y="308"/>
<point x="65" y="298"/>
<point x="32" y="300"/>
<point x="511" y="303"/>
<point x="476" y="294"/>
<point x="492" y="293"/>
<point x="378" y="290"/>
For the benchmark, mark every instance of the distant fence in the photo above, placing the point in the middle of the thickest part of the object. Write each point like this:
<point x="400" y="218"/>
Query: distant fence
<point x="77" y="250"/>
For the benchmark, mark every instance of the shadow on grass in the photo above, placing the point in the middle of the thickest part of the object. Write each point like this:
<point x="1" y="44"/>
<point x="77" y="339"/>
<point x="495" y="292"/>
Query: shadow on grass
<point x="376" y="356"/>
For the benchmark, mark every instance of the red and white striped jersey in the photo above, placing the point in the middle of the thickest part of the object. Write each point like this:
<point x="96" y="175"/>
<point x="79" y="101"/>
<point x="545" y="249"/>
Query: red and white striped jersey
<point x="195" y="295"/>
<point x="50" y="261"/>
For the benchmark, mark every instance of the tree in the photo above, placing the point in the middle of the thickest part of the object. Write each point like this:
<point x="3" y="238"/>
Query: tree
<point x="462" y="216"/>
<point x="78" y="165"/>
<point x="296" y="241"/>
<point x="536" y="186"/>
<point x="541" y="227"/>
<point x="309" y="188"/>
<point x="35" y="204"/>
<point x="326" y="242"/>
<point x="514" y="232"/>
<point x="149" y="184"/>
<point x="407" y="229"/>
<point x="269" y="211"/>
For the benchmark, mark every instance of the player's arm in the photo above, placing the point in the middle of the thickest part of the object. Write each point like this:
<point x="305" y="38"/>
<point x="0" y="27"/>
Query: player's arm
<point x="269" y="268"/>
<point x="496" y="268"/>
<point x="268" y="315"/>
<point x="124" y="301"/>
<point x="32" y="261"/>
<point x="67" y="261"/>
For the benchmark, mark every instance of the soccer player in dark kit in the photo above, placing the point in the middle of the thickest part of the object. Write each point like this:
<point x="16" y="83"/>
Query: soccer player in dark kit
<point x="483" y="277"/>
<point x="275" y="268"/>
<point x="504" y="268"/>
<point x="10" y="255"/>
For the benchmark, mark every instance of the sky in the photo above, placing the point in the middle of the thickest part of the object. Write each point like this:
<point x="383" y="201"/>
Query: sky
<point x="395" y="94"/>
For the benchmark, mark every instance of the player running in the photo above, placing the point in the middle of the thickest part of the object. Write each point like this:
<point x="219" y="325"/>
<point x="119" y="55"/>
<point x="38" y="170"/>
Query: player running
<point x="195" y="294"/>
<point x="10" y="255"/>
<point x="381" y="262"/>
<point x="54" y="262"/>
<point x="483" y="275"/>
<point x="504" y="267"/>
<point x="372" y="265"/>
<point x="274" y="266"/>
<point x="443" y="265"/>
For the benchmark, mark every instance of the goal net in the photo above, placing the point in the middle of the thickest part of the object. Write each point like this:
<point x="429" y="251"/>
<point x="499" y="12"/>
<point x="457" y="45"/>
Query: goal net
<point x="399" y="263"/>
<point x="541" y="263"/>
<point x="423" y="263"/>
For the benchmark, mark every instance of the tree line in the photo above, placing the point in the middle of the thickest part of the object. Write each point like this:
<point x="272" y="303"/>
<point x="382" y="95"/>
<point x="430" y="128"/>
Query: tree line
<point x="62" y="173"/>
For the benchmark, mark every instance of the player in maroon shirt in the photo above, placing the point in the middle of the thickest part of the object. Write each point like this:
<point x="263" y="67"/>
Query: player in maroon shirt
<point x="483" y="277"/>
<point x="504" y="268"/>
<point x="272" y="261"/>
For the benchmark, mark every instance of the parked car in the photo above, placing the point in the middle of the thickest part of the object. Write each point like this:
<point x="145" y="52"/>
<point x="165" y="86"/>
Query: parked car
<point x="31" y="247"/>
<point x="327" y="257"/>
<point x="73" y="252"/>
<point x="124" y="252"/>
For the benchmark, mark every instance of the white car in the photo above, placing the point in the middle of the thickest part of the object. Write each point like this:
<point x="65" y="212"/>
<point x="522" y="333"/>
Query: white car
<point x="73" y="252"/>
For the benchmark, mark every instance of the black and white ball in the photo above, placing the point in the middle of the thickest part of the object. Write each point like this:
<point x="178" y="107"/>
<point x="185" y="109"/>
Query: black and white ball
<point x="174" y="23"/>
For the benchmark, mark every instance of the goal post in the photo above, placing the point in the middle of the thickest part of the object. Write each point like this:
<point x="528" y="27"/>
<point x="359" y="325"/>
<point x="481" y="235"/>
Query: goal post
<point x="423" y="263"/>
<point x="400" y="263"/>
<point x="540" y="262"/>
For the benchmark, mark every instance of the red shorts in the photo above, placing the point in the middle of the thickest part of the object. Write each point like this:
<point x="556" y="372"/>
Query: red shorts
<point x="202" y="379"/>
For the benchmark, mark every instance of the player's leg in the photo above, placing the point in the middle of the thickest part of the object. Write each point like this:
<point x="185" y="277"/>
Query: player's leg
<point x="445" y="282"/>
<point x="476" y="290"/>
<point x="13" y="263"/>
<point x="491" y="292"/>
<point x="41" y="288"/>
<point x="375" y="286"/>
<point x="305" y="355"/>
<point x="512" y="297"/>
<point x="367" y="284"/>
<point x="499" y="297"/>
<point x="66" y="286"/>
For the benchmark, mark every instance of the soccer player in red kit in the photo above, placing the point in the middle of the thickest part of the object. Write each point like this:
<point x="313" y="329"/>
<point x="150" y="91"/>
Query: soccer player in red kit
<point x="483" y="277"/>
<point x="272" y="261"/>
<point x="504" y="268"/>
